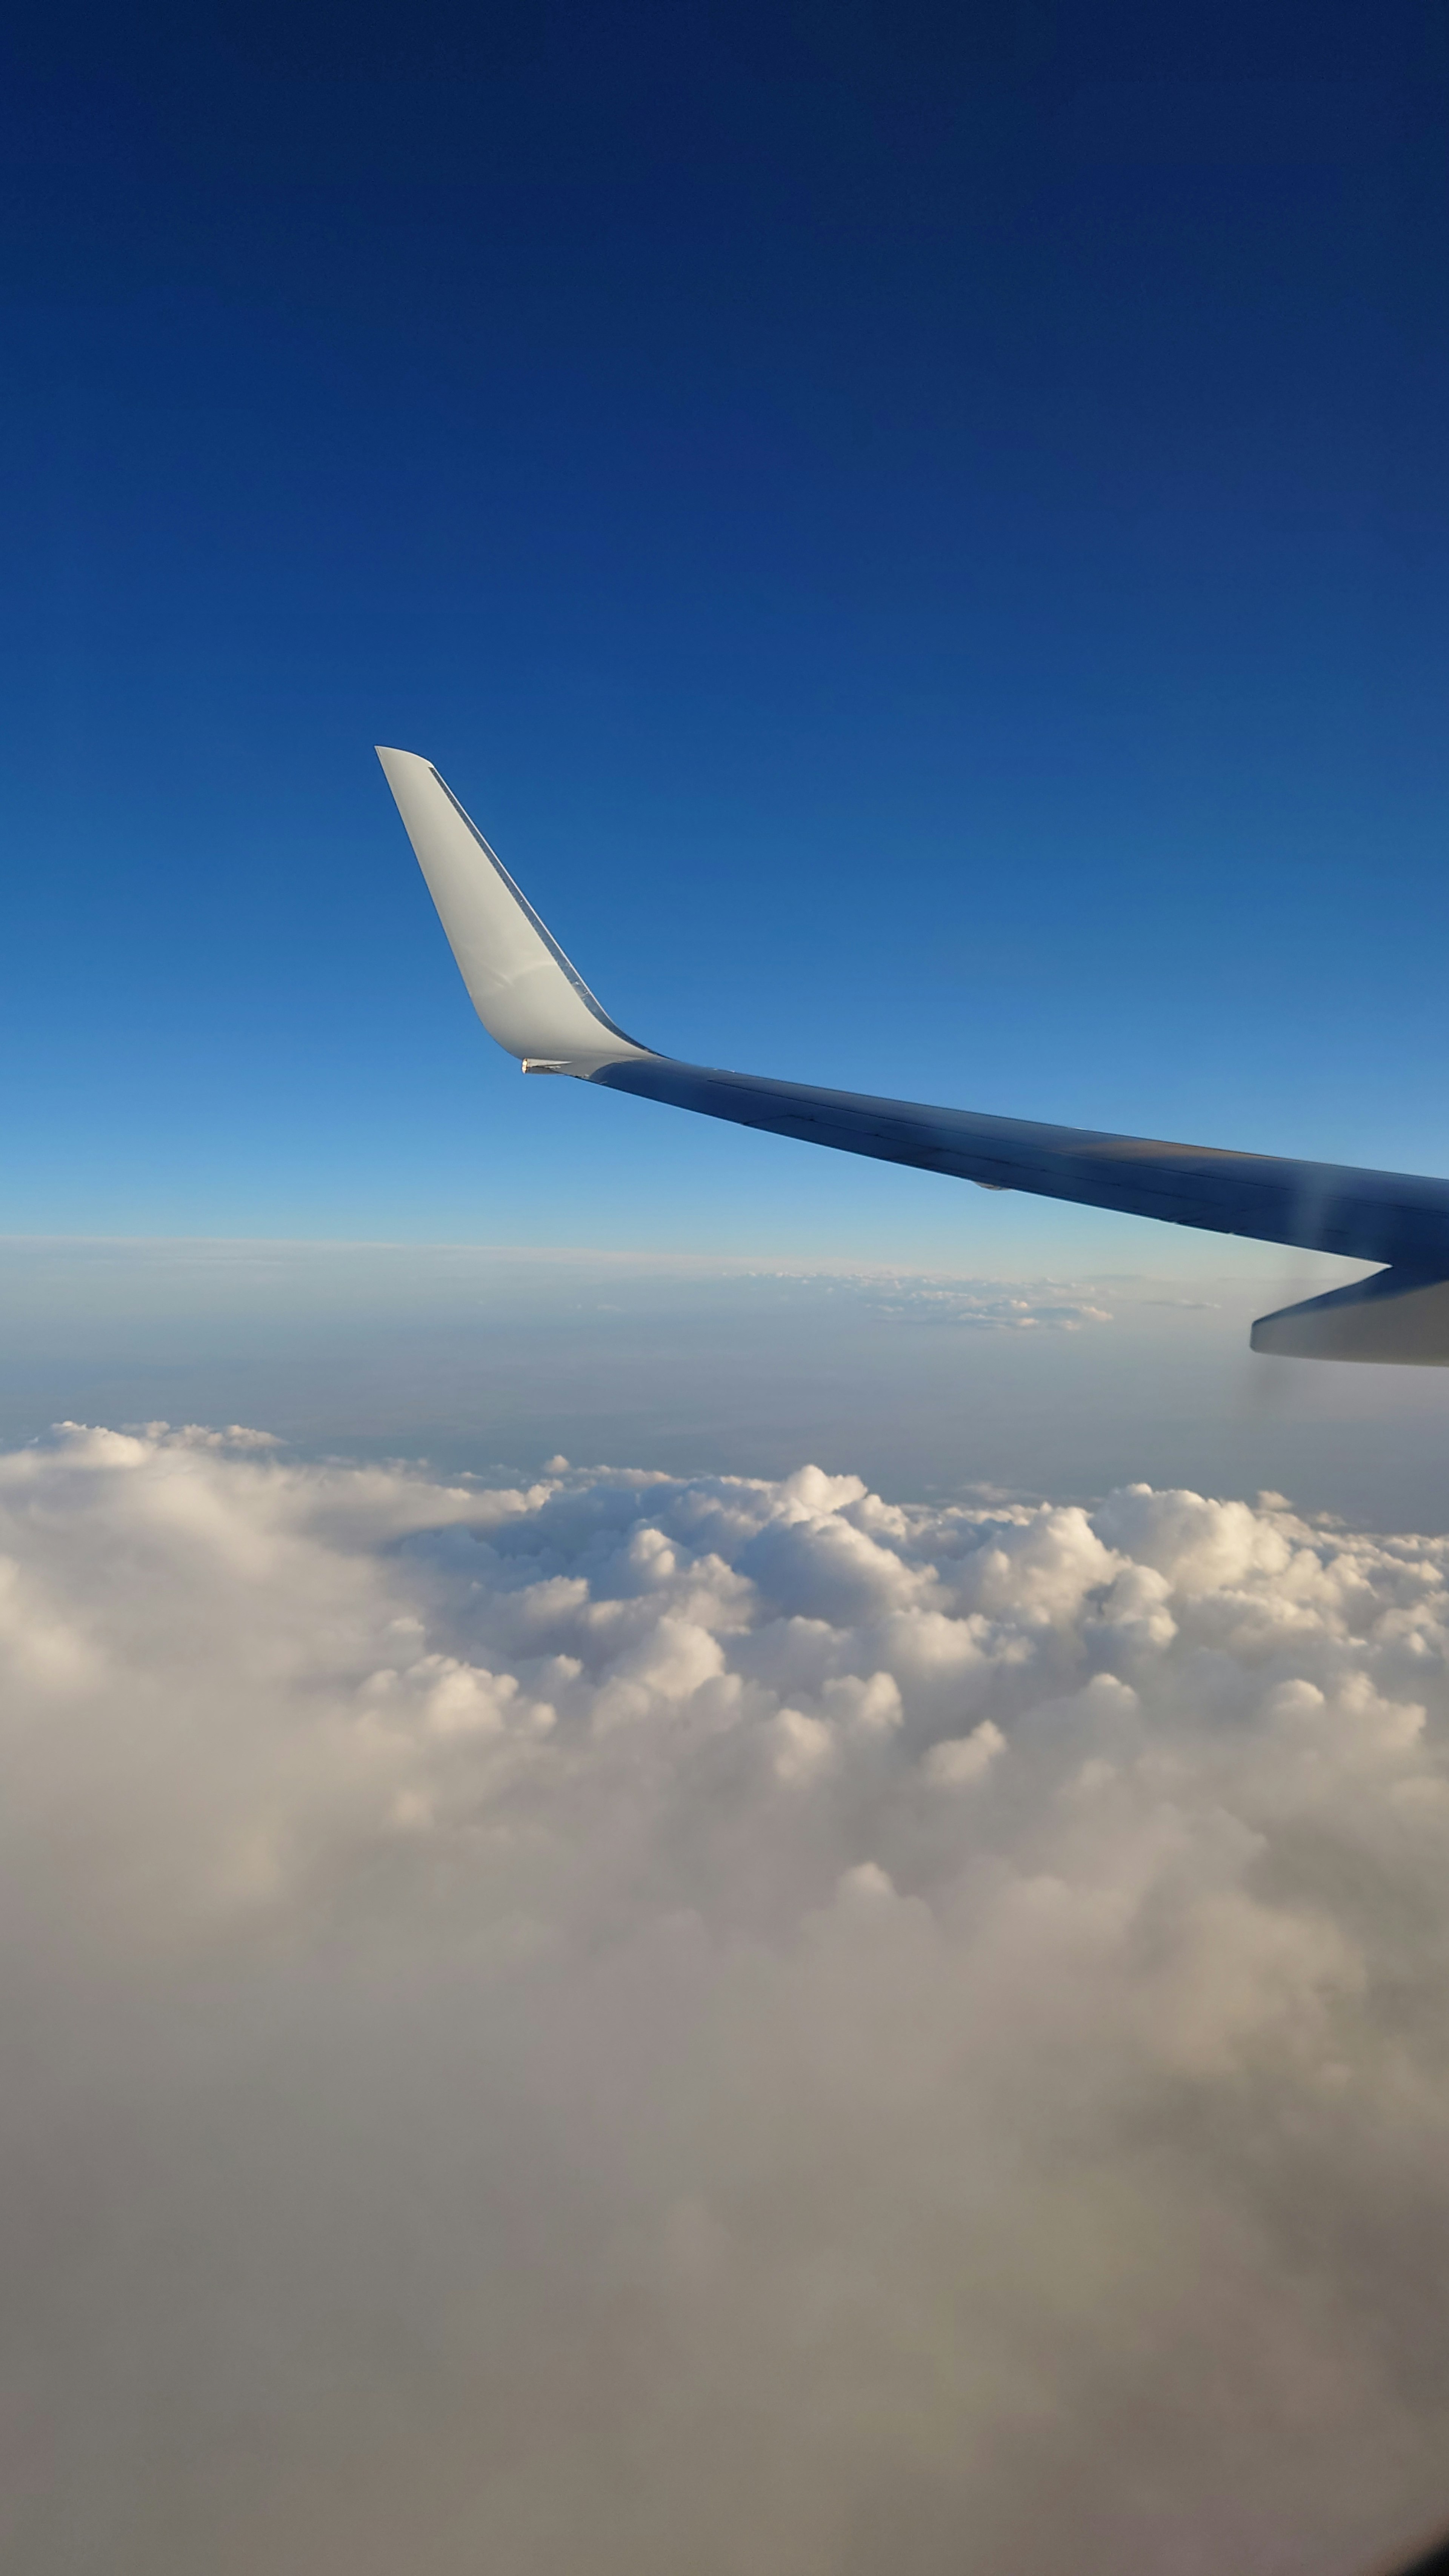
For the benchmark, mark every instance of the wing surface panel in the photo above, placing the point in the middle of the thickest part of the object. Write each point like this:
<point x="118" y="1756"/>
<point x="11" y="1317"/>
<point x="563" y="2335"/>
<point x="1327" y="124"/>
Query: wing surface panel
<point x="1320" y="1207"/>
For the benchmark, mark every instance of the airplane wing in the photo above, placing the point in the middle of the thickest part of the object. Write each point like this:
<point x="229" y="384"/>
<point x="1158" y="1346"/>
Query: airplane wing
<point x="539" y="1008"/>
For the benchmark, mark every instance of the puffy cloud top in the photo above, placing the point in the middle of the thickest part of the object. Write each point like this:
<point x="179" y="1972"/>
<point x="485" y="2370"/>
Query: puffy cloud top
<point x="648" y="2023"/>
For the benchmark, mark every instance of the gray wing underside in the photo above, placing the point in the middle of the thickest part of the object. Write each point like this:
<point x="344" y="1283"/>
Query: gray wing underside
<point x="1321" y="1207"/>
<point x="536" y="1005"/>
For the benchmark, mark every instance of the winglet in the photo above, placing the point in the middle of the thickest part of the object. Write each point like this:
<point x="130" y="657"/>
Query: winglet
<point x="522" y="986"/>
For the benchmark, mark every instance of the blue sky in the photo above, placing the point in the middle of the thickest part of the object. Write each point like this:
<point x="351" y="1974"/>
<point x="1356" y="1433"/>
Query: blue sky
<point x="919" y="535"/>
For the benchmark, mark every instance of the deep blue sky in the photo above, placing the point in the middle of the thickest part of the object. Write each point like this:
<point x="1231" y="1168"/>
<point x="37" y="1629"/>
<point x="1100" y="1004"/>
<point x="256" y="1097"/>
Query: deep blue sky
<point x="919" y="534"/>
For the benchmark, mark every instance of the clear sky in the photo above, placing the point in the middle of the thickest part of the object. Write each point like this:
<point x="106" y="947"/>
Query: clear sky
<point x="919" y="534"/>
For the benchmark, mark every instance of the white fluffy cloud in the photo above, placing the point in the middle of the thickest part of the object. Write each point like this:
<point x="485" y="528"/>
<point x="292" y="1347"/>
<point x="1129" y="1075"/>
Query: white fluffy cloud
<point x="647" y="2025"/>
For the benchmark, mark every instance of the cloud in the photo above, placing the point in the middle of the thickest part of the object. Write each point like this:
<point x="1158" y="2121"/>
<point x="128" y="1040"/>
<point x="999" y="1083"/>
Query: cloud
<point x="987" y="1305"/>
<point x="646" y="2023"/>
<point x="989" y="1309"/>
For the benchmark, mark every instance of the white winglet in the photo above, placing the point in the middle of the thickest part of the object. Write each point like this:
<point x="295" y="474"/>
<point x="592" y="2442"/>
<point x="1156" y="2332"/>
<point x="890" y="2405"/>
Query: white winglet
<point x="523" y="988"/>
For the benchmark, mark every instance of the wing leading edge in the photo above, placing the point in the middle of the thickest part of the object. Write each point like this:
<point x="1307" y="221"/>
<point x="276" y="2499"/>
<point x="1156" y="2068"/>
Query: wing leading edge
<point x="536" y="1005"/>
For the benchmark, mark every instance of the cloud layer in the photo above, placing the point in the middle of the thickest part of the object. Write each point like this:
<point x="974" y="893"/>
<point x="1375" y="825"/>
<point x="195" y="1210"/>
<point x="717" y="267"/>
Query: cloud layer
<point x="642" y="2025"/>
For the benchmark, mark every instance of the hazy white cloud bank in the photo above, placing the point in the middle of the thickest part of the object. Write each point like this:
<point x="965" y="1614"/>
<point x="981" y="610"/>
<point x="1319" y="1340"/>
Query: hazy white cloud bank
<point x="987" y="1305"/>
<point x="991" y="1309"/>
<point x="652" y="2026"/>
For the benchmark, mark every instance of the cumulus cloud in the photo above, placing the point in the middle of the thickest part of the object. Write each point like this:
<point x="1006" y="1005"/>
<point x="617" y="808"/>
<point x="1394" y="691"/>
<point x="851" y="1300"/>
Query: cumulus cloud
<point x="649" y="2023"/>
